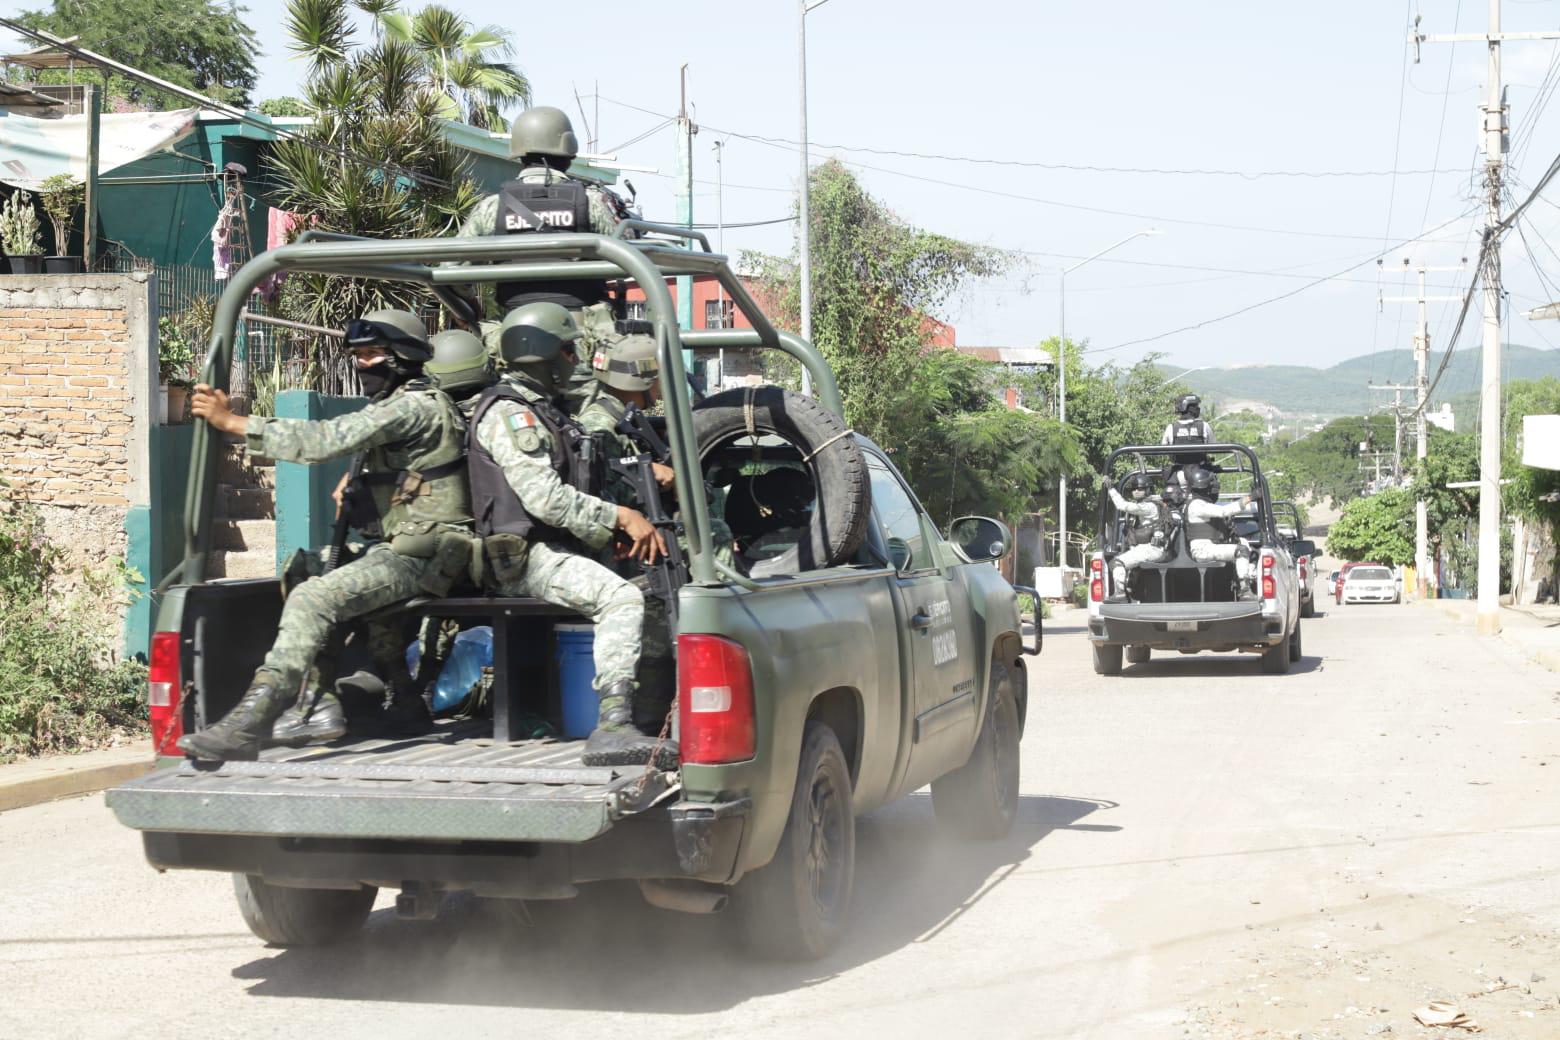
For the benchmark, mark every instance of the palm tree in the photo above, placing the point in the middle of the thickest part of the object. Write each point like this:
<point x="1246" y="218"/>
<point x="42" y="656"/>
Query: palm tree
<point x="465" y="64"/>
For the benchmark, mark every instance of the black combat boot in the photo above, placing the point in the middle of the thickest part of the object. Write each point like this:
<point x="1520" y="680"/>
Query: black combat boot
<point x="310" y="721"/>
<point x="406" y="714"/>
<point x="238" y="736"/>
<point x="616" y="741"/>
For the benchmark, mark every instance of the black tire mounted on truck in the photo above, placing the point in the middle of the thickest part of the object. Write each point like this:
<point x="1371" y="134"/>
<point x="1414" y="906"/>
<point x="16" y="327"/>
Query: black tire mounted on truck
<point x="839" y="469"/>
<point x="1107" y="659"/>
<point x="301" y="916"/>
<point x="1138" y="654"/>
<point x="980" y="799"/>
<point x="1295" y="649"/>
<point x="1275" y="659"/>
<point x="795" y="907"/>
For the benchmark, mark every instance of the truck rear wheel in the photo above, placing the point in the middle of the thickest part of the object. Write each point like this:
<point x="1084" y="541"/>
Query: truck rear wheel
<point x="980" y="799"/>
<point x="1275" y="659"/>
<point x="795" y="907"/>
<point x="301" y="916"/>
<point x="1294" y="643"/>
<point x="1107" y="659"/>
<point x="1138" y="654"/>
<point x="1308" y="608"/>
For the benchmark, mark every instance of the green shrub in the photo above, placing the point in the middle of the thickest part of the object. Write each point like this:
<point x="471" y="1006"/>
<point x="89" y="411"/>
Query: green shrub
<point x="62" y="686"/>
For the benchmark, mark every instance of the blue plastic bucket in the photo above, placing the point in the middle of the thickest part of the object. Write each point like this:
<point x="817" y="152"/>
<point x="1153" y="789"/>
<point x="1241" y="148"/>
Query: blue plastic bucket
<point x="576" y="672"/>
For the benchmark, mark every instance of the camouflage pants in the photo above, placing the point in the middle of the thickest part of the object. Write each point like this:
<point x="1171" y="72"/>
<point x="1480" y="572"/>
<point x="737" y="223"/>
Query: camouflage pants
<point x="570" y="580"/>
<point x="380" y="578"/>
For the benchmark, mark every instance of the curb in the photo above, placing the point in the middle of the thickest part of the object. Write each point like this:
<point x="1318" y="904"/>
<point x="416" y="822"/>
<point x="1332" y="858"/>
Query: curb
<point x="1544" y="658"/>
<point x="34" y="781"/>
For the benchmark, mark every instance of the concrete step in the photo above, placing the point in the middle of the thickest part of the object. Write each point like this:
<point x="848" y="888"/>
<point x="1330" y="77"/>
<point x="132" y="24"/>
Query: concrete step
<point x="244" y="536"/>
<point x="238" y="469"/>
<point x="245" y="503"/>
<point x="228" y="564"/>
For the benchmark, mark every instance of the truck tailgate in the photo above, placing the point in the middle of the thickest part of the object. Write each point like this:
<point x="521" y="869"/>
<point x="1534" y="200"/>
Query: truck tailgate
<point x="446" y="786"/>
<point x="1181" y="612"/>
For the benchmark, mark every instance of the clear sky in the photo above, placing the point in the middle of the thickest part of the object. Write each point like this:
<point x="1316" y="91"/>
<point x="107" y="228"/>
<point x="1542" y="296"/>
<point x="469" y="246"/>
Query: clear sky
<point x="1247" y="87"/>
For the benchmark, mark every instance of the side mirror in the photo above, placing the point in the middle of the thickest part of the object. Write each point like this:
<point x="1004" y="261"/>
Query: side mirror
<point x="1303" y="547"/>
<point x="980" y="538"/>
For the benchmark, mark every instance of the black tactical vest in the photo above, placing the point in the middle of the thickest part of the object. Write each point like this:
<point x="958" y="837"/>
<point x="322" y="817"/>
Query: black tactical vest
<point x="1211" y="530"/>
<point x="494" y="504"/>
<point x="1189" y="431"/>
<point x="557" y="206"/>
<point x="1141" y="529"/>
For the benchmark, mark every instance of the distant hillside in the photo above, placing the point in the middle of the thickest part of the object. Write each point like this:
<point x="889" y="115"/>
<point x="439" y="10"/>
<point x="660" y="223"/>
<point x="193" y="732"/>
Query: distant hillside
<point x="1342" y="389"/>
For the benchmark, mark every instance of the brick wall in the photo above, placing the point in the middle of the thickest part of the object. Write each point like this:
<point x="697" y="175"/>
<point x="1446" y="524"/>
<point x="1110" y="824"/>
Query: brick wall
<point x="77" y="375"/>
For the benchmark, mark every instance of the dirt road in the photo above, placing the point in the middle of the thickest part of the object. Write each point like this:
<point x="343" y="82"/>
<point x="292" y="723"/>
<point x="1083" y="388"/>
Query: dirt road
<point x="1203" y="850"/>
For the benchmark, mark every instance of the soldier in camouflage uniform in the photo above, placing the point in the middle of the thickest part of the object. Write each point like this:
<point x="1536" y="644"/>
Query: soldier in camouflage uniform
<point x="414" y="443"/>
<point x="534" y="519"/>
<point x="625" y="374"/>
<point x="543" y="140"/>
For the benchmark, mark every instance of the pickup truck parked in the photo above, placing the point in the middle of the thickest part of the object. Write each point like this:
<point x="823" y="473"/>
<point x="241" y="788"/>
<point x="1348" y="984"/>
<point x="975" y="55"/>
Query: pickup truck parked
<point x="819" y="682"/>
<point x="1181" y="604"/>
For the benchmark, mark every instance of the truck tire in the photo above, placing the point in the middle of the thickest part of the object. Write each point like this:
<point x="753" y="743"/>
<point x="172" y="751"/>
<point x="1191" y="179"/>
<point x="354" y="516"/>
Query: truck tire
<point x="839" y="469"/>
<point x="1294" y="643"/>
<point x="1275" y="659"/>
<point x="795" y="908"/>
<point x="1308" y="608"/>
<point x="1138" y="654"/>
<point x="301" y="916"/>
<point x="1107" y="659"/>
<point x="979" y="800"/>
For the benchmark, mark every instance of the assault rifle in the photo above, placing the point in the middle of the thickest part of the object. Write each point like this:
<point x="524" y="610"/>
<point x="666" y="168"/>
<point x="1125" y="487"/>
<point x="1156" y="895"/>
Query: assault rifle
<point x="671" y="571"/>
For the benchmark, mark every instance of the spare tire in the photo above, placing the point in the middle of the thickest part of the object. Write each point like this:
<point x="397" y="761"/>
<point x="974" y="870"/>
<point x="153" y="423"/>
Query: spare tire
<point x="843" y="502"/>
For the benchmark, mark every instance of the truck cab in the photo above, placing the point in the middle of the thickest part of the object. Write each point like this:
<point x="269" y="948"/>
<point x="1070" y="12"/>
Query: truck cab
<point x="1179" y="603"/>
<point x="815" y="680"/>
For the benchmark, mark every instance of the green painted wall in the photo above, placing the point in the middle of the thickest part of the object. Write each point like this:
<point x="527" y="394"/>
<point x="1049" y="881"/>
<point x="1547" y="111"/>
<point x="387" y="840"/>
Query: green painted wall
<point x="305" y="512"/>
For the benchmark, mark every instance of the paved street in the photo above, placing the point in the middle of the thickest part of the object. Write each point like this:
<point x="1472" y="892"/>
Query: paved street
<point x="1203" y="850"/>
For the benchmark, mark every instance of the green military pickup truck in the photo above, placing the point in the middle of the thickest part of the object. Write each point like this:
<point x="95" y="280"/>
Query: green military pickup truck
<point x="870" y="658"/>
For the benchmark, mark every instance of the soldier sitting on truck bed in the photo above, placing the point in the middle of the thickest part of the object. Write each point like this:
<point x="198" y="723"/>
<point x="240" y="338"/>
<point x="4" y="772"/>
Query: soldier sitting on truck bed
<point x="538" y="526"/>
<point x="414" y="464"/>
<point x="1147" y="530"/>
<point x="1208" y="533"/>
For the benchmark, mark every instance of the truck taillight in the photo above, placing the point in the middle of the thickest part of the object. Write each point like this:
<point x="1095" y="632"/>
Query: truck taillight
<point x="1304" y="564"/>
<point x="1269" y="589"/>
<point x="164" y="691"/>
<point x="1097" y="579"/>
<point x="714" y="700"/>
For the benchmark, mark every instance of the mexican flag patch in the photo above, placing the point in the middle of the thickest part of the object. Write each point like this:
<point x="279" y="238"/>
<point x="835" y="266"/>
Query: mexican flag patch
<point x="521" y="421"/>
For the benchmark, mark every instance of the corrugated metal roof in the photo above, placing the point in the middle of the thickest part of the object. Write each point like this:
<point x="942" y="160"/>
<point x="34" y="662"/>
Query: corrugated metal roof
<point x="1008" y="355"/>
<point x="12" y="96"/>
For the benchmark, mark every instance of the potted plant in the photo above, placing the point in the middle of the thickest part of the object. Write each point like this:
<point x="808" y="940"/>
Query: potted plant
<point x="61" y="194"/>
<point x="175" y="356"/>
<point x="20" y="234"/>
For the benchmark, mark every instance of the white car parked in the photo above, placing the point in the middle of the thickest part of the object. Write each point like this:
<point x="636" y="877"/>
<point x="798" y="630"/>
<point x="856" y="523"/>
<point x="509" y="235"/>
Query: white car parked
<point x="1370" y="585"/>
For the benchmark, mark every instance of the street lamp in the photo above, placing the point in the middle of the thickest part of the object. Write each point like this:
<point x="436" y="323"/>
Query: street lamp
<point x="804" y="245"/>
<point x="1061" y="361"/>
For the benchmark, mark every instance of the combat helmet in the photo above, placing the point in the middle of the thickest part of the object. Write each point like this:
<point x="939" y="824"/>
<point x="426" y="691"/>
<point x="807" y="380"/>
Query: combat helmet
<point x="1188" y="405"/>
<point x="400" y="332"/>
<point x="628" y="363"/>
<point x="1203" y="482"/>
<point x="532" y="340"/>
<point x="460" y="365"/>
<point x="543" y="131"/>
<point x="1135" y="482"/>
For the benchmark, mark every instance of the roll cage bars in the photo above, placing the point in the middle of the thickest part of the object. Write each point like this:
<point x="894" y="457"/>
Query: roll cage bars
<point x="1171" y="455"/>
<point x="441" y="264"/>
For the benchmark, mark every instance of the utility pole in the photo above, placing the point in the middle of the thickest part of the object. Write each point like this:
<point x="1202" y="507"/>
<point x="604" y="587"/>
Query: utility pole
<point x="685" y="131"/>
<point x="1494" y="129"/>
<point x="1422" y="566"/>
<point x="1397" y="422"/>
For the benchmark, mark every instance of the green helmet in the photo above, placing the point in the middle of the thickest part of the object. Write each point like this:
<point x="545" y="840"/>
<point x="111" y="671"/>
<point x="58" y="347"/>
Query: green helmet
<point x="460" y="365"/>
<point x="401" y="332"/>
<point x="532" y="339"/>
<point x="628" y="363"/>
<point x="543" y="131"/>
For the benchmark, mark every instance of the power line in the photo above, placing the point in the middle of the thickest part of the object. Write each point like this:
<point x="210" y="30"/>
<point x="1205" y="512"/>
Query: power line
<point x="960" y="186"/>
<point x="1263" y="303"/>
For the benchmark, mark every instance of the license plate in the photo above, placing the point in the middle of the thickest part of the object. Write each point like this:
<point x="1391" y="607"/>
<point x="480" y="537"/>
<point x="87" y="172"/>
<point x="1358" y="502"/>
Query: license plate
<point x="1180" y="626"/>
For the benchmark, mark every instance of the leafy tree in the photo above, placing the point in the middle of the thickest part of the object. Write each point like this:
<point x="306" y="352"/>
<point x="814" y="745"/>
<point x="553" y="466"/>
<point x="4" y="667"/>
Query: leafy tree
<point x="465" y="64"/>
<point x="374" y="162"/>
<point x="1379" y="528"/>
<point x="201" y="44"/>
<point x="1326" y="464"/>
<point x="1533" y="494"/>
<point x="283" y="106"/>
<point x="876" y="280"/>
